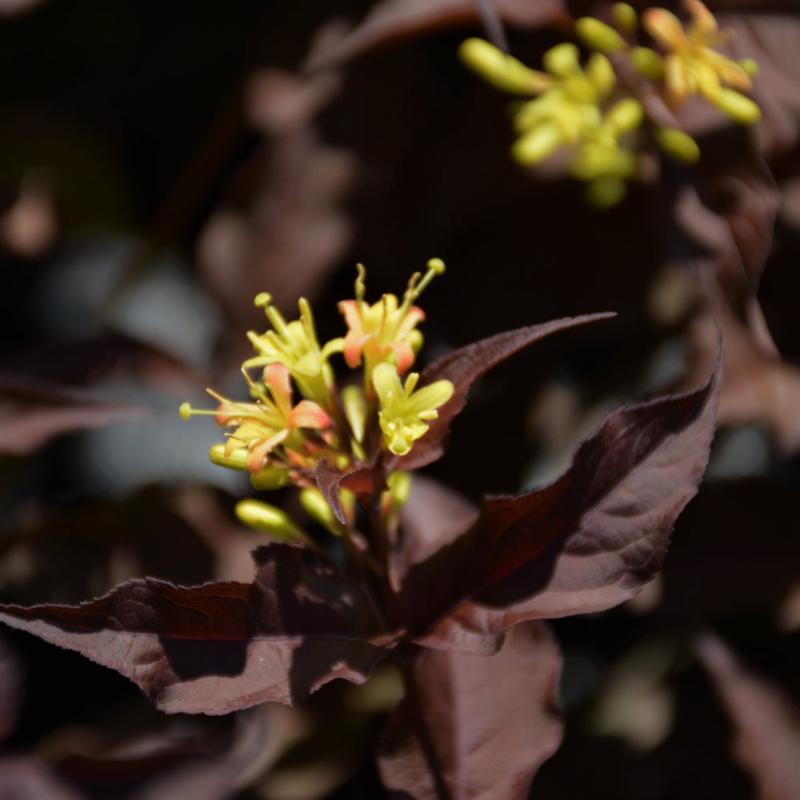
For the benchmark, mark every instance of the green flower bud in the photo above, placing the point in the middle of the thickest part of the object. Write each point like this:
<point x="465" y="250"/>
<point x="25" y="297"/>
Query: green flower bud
<point x="678" y="145"/>
<point x="536" y="145"/>
<point x="625" y="116"/>
<point x="750" y="66"/>
<point x="355" y="409"/>
<point x="269" y="478"/>
<point x="267" y="519"/>
<point x="625" y="17"/>
<point x="236" y="460"/>
<point x="605" y="192"/>
<point x="316" y="506"/>
<point x="400" y="487"/>
<point x="601" y="74"/>
<point x="739" y="108"/>
<point x="598" y="35"/>
<point x="500" y="69"/>
<point x="648" y="63"/>
<point x="562" y="60"/>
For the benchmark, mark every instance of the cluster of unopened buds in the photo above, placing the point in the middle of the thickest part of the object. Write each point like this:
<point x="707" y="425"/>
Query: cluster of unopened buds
<point x="597" y="111"/>
<point x="281" y="442"/>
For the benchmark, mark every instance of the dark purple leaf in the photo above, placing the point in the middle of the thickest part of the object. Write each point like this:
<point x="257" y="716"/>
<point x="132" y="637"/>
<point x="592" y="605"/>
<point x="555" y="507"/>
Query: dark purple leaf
<point x="468" y="364"/>
<point x="27" y="778"/>
<point x="587" y="542"/>
<point x="395" y="20"/>
<point x="202" y="765"/>
<point x="771" y="38"/>
<point x="767" y="722"/>
<point x="433" y="516"/>
<point x="364" y="482"/>
<point x="734" y="226"/>
<point x="11" y="690"/>
<point x="32" y="412"/>
<point x="220" y="647"/>
<point x="475" y="726"/>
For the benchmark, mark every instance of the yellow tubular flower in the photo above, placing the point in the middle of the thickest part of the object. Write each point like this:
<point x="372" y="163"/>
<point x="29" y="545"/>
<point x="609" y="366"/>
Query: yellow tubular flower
<point x="386" y="329"/>
<point x="692" y="65"/>
<point x="295" y="345"/>
<point x="404" y="412"/>
<point x="262" y="426"/>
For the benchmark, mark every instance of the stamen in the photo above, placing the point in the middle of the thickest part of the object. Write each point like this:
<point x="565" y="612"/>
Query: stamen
<point x="187" y="412"/>
<point x="277" y="320"/>
<point x="361" y="286"/>
<point x="416" y="286"/>
<point x="384" y="316"/>
<point x="307" y="318"/>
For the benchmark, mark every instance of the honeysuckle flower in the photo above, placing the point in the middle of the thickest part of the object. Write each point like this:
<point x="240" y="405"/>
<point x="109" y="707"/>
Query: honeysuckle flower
<point x="385" y="330"/>
<point x="404" y="412"/>
<point x="692" y="65"/>
<point x="295" y="344"/>
<point x="272" y="420"/>
<point x="570" y="110"/>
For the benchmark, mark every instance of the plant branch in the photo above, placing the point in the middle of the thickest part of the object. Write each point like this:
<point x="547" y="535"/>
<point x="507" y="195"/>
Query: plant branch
<point x="421" y="729"/>
<point x="491" y="21"/>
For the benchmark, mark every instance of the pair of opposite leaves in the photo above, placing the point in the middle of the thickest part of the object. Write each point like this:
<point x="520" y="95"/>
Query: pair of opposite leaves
<point x="586" y="542"/>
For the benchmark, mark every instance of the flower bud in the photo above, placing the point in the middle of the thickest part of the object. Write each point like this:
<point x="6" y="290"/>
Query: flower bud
<point x="647" y="63"/>
<point x="500" y="69"/>
<point x="625" y="17"/>
<point x="598" y="35"/>
<point x="400" y="487"/>
<point x="234" y="460"/>
<point x="739" y="108"/>
<point x="678" y="145"/>
<point x="267" y="519"/>
<point x="605" y="192"/>
<point x="626" y="115"/>
<point x="355" y="409"/>
<point x="269" y="478"/>
<point x="536" y="145"/>
<point x="601" y="74"/>
<point x="562" y="60"/>
<point x="750" y="66"/>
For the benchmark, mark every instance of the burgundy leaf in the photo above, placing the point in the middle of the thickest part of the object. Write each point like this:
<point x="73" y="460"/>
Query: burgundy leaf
<point x="767" y="723"/>
<point x="27" y="778"/>
<point x="394" y="20"/>
<point x="11" y="690"/>
<point x="475" y="726"/>
<point x="771" y="39"/>
<point x="587" y="542"/>
<point x="735" y="227"/>
<point x="362" y="481"/>
<point x="466" y="365"/>
<point x="32" y="412"/>
<point x="432" y="517"/>
<point x="283" y="225"/>
<point x="199" y="763"/>
<point x="202" y="765"/>
<point x="219" y="647"/>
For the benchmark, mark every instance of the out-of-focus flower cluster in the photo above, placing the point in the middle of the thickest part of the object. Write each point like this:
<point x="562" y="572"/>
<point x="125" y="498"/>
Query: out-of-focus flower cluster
<point x="281" y="442"/>
<point x="597" y="111"/>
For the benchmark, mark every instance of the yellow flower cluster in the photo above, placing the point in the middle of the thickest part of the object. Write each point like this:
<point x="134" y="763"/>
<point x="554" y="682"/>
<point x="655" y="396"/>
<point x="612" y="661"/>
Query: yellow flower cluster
<point x="279" y="441"/>
<point x="589" y="112"/>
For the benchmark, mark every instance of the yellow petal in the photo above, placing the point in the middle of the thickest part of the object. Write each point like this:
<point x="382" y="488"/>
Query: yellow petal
<point x="664" y="27"/>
